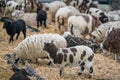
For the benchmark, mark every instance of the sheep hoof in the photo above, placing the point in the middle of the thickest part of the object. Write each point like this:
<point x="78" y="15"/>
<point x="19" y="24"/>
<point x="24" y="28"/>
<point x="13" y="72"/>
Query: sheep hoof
<point x="89" y="76"/>
<point x="79" y="73"/>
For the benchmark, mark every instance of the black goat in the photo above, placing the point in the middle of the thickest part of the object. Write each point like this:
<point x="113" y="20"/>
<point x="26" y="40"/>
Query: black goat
<point x="41" y="16"/>
<point x="13" y="27"/>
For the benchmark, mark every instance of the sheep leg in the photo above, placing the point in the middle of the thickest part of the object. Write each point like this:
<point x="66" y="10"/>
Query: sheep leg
<point x="61" y="71"/>
<point x="17" y="35"/>
<point x="45" y="23"/>
<point x="89" y="67"/>
<point x="37" y="24"/>
<point x="81" y="70"/>
<point x="11" y="38"/>
<point x="24" y="33"/>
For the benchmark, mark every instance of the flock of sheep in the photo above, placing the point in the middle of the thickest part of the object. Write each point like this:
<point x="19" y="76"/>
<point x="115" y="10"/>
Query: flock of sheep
<point x="78" y="18"/>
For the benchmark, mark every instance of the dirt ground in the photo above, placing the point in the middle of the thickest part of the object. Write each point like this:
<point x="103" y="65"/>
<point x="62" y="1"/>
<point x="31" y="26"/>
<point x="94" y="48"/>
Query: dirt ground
<point x="105" y="68"/>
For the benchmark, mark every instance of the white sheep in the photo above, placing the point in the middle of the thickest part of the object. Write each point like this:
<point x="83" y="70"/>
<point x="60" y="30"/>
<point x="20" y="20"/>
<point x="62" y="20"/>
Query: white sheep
<point x="63" y="14"/>
<point x="73" y="56"/>
<point x="29" y="18"/>
<point x="31" y="48"/>
<point x="101" y="15"/>
<point x="100" y="33"/>
<point x="82" y="24"/>
<point x="54" y="6"/>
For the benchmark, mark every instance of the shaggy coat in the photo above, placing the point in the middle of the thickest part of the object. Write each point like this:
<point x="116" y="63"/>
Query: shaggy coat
<point x="63" y="14"/>
<point x="31" y="48"/>
<point x="41" y="17"/>
<point x="82" y="24"/>
<point x="100" y="33"/>
<point x="79" y="55"/>
<point x="112" y="42"/>
<point x="13" y="27"/>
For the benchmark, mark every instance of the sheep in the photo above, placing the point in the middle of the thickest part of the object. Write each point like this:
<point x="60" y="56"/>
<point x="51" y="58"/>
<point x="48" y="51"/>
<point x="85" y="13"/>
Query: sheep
<point x="74" y="41"/>
<point x="82" y="24"/>
<point x="41" y="17"/>
<point x="78" y="55"/>
<point x="100" y="33"/>
<point x="53" y="7"/>
<point x="62" y="15"/>
<point x="13" y="27"/>
<point x="101" y="15"/>
<point x="112" y="43"/>
<point x="29" y="18"/>
<point x="12" y="5"/>
<point x="31" y="47"/>
<point x="2" y="5"/>
<point x="26" y="73"/>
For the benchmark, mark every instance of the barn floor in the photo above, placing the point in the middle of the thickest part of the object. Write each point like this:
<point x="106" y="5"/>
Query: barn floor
<point x="105" y="68"/>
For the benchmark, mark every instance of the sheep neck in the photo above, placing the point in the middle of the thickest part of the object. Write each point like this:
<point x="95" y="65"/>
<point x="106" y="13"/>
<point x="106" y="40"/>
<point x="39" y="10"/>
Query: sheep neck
<point x="52" y="52"/>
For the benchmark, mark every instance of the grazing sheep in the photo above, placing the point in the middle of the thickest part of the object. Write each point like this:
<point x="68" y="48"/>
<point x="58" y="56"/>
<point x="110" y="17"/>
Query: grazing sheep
<point x="100" y="33"/>
<point x="54" y="6"/>
<point x="112" y="43"/>
<point x="82" y="24"/>
<point x="63" y="14"/>
<point x="31" y="48"/>
<point x="41" y="18"/>
<point x="79" y="55"/>
<point x="29" y="18"/>
<point x="13" y="27"/>
<point x="74" y="41"/>
<point x="12" y="5"/>
<point x="101" y="15"/>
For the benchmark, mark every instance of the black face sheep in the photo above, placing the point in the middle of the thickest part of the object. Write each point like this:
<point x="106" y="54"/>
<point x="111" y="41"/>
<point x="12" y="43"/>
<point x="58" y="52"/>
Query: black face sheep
<point x="41" y="17"/>
<point x="112" y="43"/>
<point x="13" y="27"/>
<point x="79" y="55"/>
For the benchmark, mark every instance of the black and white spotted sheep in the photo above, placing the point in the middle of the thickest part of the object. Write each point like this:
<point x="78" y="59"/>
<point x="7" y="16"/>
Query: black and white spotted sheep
<point x="79" y="55"/>
<point x="74" y="41"/>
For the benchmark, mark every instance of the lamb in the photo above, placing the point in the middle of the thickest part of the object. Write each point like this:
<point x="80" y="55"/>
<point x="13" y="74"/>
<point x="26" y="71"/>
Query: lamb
<point x="82" y="24"/>
<point x="100" y="33"/>
<point x="63" y="14"/>
<point x="78" y="55"/>
<point x="74" y="41"/>
<point x="41" y="17"/>
<point x="13" y="27"/>
<point x="53" y="7"/>
<point x="101" y="15"/>
<point x="31" y="48"/>
<point x="112" y="43"/>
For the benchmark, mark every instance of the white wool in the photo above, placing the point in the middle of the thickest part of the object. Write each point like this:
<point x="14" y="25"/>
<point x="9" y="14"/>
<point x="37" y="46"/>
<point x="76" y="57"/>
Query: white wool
<point x="32" y="46"/>
<point x="102" y="31"/>
<point x="65" y="13"/>
<point x="54" y="6"/>
<point x="79" y="24"/>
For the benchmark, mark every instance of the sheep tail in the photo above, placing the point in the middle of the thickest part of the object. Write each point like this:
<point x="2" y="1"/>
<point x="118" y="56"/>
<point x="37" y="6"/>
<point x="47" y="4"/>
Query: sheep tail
<point x="71" y="30"/>
<point x="32" y="29"/>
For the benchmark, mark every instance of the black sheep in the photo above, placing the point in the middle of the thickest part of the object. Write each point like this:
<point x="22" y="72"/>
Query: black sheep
<point x="41" y="16"/>
<point x="13" y="27"/>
